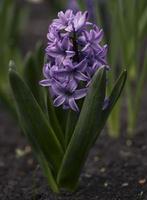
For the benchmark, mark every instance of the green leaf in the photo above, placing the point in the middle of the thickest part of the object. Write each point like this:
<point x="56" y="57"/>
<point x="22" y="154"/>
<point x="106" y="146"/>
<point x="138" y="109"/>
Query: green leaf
<point x="47" y="172"/>
<point x="39" y="57"/>
<point x="54" y="120"/>
<point x="44" y="165"/>
<point x="136" y="101"/>
<point x="34" y="122"/>
<point x="32" y="77"/>
<point x="115" y="94"/>
<point x="39" y="60"/>
<point x="62" y="117"/>
<point x="70" y="125"/>
<point x="143" y="22"/>
<point x="84" y="133"/>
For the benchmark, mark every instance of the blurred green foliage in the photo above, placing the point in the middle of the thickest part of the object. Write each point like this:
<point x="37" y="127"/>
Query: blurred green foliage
<point x="125" y="26"/>
<point x="13" y="22"/>
<point x="128" y="28"/>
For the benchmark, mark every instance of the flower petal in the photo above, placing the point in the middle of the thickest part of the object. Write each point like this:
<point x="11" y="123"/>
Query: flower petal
<point x="82" y="65"/>
<point x="59" y="101"/>
<point x="78" y="94"/>
<point x="72" y="85"/>
<point x="106" y="103"/>
<point x="80" y="20"/>
<point x="81" y="77"/>
<point x="73" y="105"/>
<point x="45" y="83"/>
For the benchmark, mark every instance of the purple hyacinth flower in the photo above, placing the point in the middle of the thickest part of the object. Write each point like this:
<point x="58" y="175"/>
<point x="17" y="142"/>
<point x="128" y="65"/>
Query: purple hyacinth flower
<point x="101" y="55"/>
<point x="92" y="38"/>
<point x="46" y="72"/>
<point x="53" y="35"/>
<point x="73" y="71"/>
<point x="73" y="55"/>
<point x="79" y="22"/>
<point x="67" y="94"/>
<point x="64" y="20"/>
<point x="62" y="48"/>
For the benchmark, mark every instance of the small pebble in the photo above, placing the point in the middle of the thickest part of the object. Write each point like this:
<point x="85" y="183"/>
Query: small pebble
<point x="125" y="153"/>
<point x="103" y="169"/>
<point x="19" y="153"/>
<point x="30" y="162"/>
<point x="106" y="184"/>
<point x="28" y="149"/>
<point x="142" y="181"/>
<point x="129" y="143"/>
<point x="96" y="158"/>
<point x="22" y="152"/>
<point x="125" y="184"/>
<point x="87" y="175"/>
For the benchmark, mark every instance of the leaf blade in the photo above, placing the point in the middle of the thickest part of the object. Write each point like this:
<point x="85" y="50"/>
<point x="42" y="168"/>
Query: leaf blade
<point x="115" y="94"/>
<point x="82" y="138"/>
<point x="54" y="120"/>
<point x="34" y="122"/>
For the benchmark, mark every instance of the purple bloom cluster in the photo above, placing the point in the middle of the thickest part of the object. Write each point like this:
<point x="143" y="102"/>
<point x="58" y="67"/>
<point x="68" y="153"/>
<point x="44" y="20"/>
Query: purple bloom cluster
<point x="74" y="54"/>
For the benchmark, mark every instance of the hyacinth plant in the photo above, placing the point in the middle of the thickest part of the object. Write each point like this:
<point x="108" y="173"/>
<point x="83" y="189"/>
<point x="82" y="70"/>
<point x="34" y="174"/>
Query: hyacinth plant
<point x="76" y="105"/>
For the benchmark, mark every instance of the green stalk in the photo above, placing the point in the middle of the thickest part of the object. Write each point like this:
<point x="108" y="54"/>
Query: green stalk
<point x="84" y="133"/>
<point x="70" y="125"/>
<point x="54" y="121"/>
<point x="137" y="103"/>
<point x="114" y="121"/>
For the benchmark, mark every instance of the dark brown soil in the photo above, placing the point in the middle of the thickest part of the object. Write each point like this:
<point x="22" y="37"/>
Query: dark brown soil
<point x="116" y="169"/>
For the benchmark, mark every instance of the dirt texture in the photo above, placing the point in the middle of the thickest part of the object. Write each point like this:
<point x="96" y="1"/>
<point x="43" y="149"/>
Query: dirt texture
<point x="115" y="170"/>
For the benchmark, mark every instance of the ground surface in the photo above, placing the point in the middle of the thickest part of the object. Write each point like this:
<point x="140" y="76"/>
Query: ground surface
<point x="116" y="169"/>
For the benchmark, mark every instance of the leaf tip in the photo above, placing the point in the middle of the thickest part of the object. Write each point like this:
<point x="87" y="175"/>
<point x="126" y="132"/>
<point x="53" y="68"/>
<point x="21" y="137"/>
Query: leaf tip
<point x="125" y="73"/>
<point x="12" y="66"/>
